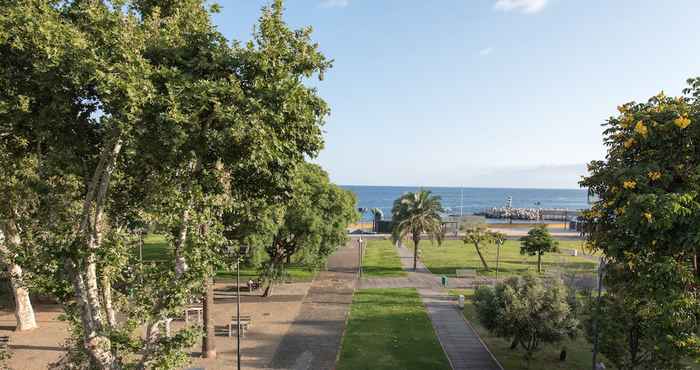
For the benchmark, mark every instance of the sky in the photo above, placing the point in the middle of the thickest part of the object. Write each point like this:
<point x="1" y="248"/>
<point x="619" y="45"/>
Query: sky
<point x="482" y="93"/>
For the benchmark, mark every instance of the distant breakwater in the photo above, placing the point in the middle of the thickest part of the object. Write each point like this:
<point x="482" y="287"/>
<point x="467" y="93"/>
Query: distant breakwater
<point x="529" y="214"/>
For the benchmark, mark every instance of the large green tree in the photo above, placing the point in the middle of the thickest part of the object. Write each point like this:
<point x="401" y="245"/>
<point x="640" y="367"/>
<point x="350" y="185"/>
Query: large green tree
<point x="312" y="225"/>
<point x="646" y="221"/>
<point x="141" y="109"/>
<point x="415" y="214"/>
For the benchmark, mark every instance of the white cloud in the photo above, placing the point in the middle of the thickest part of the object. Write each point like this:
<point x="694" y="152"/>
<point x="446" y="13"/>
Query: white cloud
<point x="335" y="3"/>
<point x="524" y="6"/>
<point x="485" y="51"/>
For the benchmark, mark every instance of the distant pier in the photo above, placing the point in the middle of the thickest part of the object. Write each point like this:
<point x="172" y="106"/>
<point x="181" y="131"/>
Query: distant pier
<point x="530" y="214"/>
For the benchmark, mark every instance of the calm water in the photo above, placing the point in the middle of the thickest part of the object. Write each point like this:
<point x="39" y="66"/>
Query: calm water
<point x="474" y="199"/>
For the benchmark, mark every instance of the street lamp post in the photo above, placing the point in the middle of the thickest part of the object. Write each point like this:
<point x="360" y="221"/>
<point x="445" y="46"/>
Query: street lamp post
<point x="238" y="254"/>
<point x="360" y="255"/>
<point x="238" y="310"/>
<point x="601" y="271"/>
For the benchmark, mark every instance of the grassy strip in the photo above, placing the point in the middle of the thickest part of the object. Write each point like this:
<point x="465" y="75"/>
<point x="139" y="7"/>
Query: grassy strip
<point x="155" y="247"/>
<point x="389" y="329"/>
<point x="381" y="260"/>
<point x="578" y="350"/>
<point x="454" y="254"/>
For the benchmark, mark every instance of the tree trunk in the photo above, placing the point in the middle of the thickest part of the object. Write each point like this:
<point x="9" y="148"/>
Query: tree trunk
<point x="208" y="343"/>
<point x="483" y="261"/>
<point x="180" y="262"/>
<point x="83" y="270"/>
<point x="268" y="290"/>
<point x="539" y="263"/>
<point x="415" y="252"/>
<point x="514" y="343"/>
<point x="24" y="312"/>
<point x="107" y="297"/>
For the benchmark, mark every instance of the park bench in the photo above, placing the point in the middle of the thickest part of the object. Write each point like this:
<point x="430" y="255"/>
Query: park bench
<point x="4" y="342"/>
<point x="465" y="273"/>
<point x="245" y="323"/>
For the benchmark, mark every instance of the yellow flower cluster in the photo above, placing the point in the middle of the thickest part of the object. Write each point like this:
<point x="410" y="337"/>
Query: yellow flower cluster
<point x="648" y="216"/>
<point x="629" y="184"/>
<point x="626" y="121"/>
<point x="641" y="129"/>
<point x="654" y="175"/>
<point x="682" y="122"/>
<point x="620" y="211"/>
<point x="629" y="143"/>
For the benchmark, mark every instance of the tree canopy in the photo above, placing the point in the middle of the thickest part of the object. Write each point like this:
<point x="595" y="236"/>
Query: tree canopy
<point x="646" y="219"/>
<point x="526" y="311"/>
<point x="415" y="214"/>
<point x="114" y="114"/>
<point x="537" y="242"/>
<point x="312" y="225"/>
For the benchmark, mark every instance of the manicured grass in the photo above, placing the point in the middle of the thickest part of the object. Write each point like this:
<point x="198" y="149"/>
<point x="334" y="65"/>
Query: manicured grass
<point x="454" y="254"/>
<point x="381" y="260"/>
<point x="389" y="329"/>
<point x="155" y="247"/>
<point x="578" y="350"/>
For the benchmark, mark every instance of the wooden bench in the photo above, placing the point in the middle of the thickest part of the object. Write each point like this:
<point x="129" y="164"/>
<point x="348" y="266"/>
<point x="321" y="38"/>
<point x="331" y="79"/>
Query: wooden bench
<point x="465" y="273"/>
<point x="245" y="323"/>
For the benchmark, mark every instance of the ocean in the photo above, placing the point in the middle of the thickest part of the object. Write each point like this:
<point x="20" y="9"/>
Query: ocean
<point x="472" y="199"/>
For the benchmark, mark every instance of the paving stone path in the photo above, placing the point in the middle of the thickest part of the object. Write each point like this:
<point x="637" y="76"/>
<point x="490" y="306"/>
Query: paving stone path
<point x="313" y="340"/>
<point x="464" y="348"/>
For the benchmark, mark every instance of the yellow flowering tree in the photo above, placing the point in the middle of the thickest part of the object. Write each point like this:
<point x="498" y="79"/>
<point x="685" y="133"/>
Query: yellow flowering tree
<point x="647" y="224"/>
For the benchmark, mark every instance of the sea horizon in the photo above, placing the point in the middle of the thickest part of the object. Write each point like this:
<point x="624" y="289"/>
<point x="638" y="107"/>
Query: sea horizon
<point x="470" y="200"/>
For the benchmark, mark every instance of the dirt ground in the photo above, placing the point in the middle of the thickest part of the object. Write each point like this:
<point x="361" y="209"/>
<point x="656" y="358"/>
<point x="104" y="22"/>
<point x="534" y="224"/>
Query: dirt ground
<point x="271" y="319"/>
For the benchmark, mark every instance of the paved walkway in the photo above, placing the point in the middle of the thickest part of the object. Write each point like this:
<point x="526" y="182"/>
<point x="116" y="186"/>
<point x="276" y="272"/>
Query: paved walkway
<point x="313" y="341"/>
<point x="463" y="347"/>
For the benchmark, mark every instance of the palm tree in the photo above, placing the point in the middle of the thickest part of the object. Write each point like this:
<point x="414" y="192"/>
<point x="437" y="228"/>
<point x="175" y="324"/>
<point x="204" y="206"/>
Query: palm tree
<point x="415" y="214"/>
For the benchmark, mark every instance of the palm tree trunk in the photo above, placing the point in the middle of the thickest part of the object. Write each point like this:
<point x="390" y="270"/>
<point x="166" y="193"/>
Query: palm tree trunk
<point x="415" y="252"/>
<point x="208" y="344"/>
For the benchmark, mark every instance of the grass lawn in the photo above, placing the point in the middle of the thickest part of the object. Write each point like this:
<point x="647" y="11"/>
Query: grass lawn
<point x="454" y="254"/>
<point x="155" y="247"/>
<point x="578" y="351"/>
<point x="389" y="329"/>
<point x="381" y="260"/>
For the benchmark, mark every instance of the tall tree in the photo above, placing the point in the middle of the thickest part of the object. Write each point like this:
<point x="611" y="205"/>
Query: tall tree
<point x="313" y="226"/>
<point x="537" y="242"/>
<point x="415" y="214"/>
<point x="64" y="62"/>
<point x="149" y="97"/>
<point x="646" y="220"/>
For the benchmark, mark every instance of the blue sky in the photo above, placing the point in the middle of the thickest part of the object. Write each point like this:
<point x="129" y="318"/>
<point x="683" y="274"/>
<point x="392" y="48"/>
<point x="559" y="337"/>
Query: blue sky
<point x="503" y="93"/>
